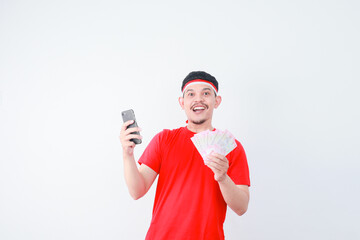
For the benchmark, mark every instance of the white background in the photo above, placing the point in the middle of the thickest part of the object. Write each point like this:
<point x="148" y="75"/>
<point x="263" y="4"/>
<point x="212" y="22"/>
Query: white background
<point x="288" y="74"/>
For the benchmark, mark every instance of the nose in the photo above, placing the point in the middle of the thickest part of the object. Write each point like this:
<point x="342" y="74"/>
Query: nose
<point x="199" y="97"/>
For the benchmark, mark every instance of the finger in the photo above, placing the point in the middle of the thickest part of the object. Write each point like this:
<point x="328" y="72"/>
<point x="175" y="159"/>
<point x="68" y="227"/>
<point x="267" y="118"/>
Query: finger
<point x="129" y="144"/>
<point x="125" y="141"/>
<point x="127" y="137"/>
<point x="128" y="131"/>
<point x="131" y="130"/>
<point x="217" y="163"/>
<point x="213" y="158"/>
<point x="126" y="124"/>
<point x="209" y="165"/>
<point x="215" y="166"/>
<point x="132" y="136"/>
<point x="218" y="155"/>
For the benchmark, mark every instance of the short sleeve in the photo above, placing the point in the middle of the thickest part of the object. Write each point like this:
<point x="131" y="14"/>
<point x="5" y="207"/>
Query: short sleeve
<point x="152" y="156"/>
<point x="238" y="166"/>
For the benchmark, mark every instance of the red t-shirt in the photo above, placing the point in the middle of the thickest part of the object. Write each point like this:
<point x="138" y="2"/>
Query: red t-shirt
<point x="188" y="201"/>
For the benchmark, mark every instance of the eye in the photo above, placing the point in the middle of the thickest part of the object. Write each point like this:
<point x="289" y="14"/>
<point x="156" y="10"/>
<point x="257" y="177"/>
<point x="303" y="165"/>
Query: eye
<point x="206" y="93"/>
<point x="190" y="94"/>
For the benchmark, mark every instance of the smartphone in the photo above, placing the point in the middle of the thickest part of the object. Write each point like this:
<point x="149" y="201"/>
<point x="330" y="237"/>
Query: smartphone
<point x="130" y="115"/>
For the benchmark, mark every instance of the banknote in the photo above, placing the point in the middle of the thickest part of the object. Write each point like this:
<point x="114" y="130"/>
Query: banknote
<point x="219" y="141"/>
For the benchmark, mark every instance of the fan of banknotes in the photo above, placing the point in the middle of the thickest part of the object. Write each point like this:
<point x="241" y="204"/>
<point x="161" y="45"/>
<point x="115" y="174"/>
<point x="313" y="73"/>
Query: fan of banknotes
<point x="219" y="141"/>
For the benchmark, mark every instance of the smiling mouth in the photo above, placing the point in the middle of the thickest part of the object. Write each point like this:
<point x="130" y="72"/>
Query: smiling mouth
<point x="198" y="108"/>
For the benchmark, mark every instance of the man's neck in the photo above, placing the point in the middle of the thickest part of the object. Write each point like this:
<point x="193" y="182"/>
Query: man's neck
<point x="199" y="127"/>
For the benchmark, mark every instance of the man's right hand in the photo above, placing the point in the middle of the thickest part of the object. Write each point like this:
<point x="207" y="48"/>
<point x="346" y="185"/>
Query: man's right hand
<point x="127" y="134"/>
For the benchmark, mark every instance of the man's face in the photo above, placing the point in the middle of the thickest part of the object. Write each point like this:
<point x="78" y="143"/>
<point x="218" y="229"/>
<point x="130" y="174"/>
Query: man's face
<point x="199" y="102"/>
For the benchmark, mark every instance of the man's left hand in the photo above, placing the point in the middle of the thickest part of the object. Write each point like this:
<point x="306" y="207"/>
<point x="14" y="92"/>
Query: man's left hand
<point x="218" y="164"/>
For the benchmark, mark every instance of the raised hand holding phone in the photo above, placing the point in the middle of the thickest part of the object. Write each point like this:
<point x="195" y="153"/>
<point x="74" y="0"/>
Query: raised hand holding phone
<point x="130" y="115"/>
<point x="130" y="132"/>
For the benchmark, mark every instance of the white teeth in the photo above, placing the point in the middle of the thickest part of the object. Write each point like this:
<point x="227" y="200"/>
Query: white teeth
<point x="198" y="108"/>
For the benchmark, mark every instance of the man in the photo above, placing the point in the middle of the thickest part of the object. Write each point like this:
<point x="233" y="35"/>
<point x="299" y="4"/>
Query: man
<point x="191" y="196"/>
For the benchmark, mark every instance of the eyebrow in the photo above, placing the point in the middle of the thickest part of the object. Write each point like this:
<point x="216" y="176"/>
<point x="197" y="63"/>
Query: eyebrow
<point x="204" y="89"/>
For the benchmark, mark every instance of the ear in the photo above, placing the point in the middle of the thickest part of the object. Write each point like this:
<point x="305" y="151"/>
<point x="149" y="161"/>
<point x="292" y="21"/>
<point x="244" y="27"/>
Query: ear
<point x="217" y="101"/>
<point x="181" y="102"/>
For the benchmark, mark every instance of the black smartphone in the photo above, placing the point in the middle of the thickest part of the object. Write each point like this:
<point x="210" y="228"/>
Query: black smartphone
<point x="130" y="115"/>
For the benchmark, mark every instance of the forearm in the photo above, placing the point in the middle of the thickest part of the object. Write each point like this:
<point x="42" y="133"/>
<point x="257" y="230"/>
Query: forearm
<point x="236" y="197"/>
<point x="134" y="180"/>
